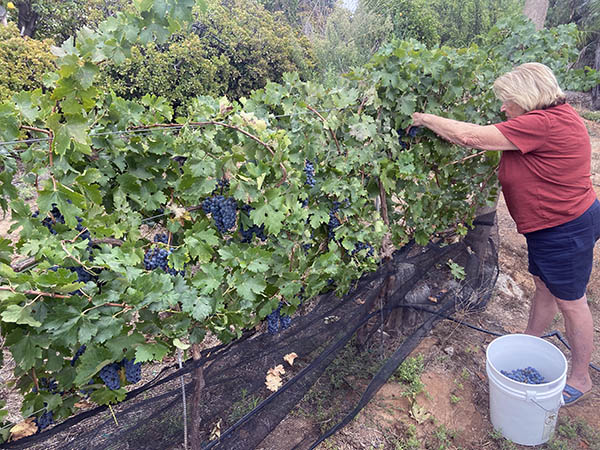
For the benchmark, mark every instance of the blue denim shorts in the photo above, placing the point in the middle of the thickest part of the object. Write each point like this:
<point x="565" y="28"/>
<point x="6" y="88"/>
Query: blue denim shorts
<point x="562" y="256"/>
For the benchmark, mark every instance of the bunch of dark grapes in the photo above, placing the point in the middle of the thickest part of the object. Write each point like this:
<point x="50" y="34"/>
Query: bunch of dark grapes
<point x="309" y="170"/>
<point x="273" y="321"/>
<point x="222" y="185"/>
<point x="334" y="222"/>
<point x="277" y="322"/>
<point x="527" y="375"/>
<point x="47" y="384"/>
<point x="80" y="351"/>
<point x="49" y="221"/>
<point x="133" y="370"/>
<point x="285" y="321"/>
<point x="56" y="216"/>
<point x="362" y="246"/>
<point x="110" y="376"/>
<point x="44" y="421"/>
<point x="161" y="237"/>
<point x="158" y="258"/>
<point x="248" y="233"/>
<point x="223" y="210"/>
<point x="83" y="275"/>
<point x="413" y="131"/>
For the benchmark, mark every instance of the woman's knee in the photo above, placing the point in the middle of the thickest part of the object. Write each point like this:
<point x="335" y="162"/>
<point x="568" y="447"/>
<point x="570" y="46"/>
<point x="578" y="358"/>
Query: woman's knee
<point x="540" y="285"/>
<point x="573" y="306"/>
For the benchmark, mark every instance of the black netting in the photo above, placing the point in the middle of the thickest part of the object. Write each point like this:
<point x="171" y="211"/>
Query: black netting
<point x="230" y="408"/>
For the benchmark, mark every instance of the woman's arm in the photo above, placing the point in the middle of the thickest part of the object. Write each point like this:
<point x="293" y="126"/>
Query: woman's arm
<point x="482" y="137"/>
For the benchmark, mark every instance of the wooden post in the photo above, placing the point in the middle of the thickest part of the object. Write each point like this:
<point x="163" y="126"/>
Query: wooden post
<point x="196" y="403"/>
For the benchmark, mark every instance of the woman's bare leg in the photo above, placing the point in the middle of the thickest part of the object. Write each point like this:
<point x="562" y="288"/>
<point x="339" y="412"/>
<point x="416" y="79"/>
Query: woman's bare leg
<point x="542" y="311"/>
<point x="579" y="326"/>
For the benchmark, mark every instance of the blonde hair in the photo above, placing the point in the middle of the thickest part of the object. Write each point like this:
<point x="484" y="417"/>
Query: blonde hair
<point x="531" y="86"/>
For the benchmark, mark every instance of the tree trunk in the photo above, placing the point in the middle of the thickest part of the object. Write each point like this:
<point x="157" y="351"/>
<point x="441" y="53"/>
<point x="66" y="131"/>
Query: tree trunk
<point x="596" y="89"/>
<point x="536" y="10"/>
<point x="3" y="16"/>
<point x="27" y="18"/>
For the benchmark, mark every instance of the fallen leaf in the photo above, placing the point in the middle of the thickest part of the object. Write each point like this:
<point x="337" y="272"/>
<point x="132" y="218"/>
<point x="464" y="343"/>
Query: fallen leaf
<point x="216" y="431"/>
<point x="432" y="299"/>
<point x="273" y="379"/>
<point x="277" y="370"/>
<point x="290" y="357"/>
<point x="273" y="382"/>
<point x="419" y="413"/>
<point x="23" y="429"/>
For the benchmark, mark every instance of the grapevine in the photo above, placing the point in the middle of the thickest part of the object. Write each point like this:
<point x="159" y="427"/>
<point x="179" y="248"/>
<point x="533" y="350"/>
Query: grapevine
<point x="259" y="200"/>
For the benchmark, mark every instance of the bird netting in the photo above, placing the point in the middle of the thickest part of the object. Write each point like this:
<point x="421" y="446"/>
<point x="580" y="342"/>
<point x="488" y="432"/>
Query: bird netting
<point x="221" y="400"/>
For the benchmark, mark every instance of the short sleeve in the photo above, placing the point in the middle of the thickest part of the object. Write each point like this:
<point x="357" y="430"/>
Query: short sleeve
<point x="528" y="131"/>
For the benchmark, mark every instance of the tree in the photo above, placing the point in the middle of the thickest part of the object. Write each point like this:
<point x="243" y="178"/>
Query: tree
<point x="27" y="18"/>
<point x="449" y="22"/>
<point x="536" y="10"/>
<point x="60" y="19"/>
<point x="586" y="15"/>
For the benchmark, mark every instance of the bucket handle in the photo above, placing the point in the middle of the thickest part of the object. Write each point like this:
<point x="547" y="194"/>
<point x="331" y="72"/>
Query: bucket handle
<point x="531" y="395"/>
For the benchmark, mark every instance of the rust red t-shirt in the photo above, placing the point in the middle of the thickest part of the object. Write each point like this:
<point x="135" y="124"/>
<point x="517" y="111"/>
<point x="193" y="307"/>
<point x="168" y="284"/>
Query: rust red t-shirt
<point x="547" y="182"/>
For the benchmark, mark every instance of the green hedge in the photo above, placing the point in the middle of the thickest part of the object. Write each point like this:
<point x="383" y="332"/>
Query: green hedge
<point x="24" y="62"/>
<point x="229" y="50"/>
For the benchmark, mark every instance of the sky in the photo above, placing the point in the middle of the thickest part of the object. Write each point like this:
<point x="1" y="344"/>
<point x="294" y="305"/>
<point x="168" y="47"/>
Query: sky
<point x="350" y="4"/>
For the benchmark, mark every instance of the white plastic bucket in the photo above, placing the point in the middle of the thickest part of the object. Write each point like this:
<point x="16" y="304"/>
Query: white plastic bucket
<point x="525" y="413"/>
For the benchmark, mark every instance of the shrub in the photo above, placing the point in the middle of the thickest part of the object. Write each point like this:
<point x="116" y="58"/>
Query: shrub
<point x="229" y="50"/>
<point x="28" y="60"/>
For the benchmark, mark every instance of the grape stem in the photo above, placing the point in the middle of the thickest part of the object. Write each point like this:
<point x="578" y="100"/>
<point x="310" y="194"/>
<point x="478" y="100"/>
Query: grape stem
<point x="467" y="158"/>
<point x="50" y="146"/>
<point x="32" y="292"/>
<point x="337" y="144"/>
<point x="223" y="124"/>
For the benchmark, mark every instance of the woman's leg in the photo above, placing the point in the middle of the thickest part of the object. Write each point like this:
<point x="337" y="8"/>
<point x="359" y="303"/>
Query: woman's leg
<point x="579" y="327"/>
<point x="542" y="310"/>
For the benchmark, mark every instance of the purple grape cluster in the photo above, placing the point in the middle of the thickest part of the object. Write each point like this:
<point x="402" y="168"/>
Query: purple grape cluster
<point x="47" y="384"/>
<point x="158" y="258"/>
<point x="250" y="232"/>
<point x="334" y="222"/>
<point x="527" y="375"/>
<point x="161" y="237"/>
<point x="133" y="370"/>
<point x="55" y="217"/>
<point x="44" y="421"/>
<point x="223" y="210"/>
<point x="222" y="184"/>
<point x="80" y="351"/>
<point x="309" y="170"/>
<point x="110" y="376"/>
<point x="362" y="246"/>
<point x="277" y="322"/>
<point x="413" y="131"/>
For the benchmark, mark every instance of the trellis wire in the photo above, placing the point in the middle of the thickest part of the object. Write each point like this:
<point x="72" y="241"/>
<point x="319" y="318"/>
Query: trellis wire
<point x="142" y="130"/>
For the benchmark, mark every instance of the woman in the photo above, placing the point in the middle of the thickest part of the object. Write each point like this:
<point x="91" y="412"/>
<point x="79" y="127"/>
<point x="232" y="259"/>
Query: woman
<point x="545" y="176"/>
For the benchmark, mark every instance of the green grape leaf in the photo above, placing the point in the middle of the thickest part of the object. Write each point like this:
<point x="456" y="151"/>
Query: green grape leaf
<point x="20" y="315"/>
<point x="150" y="352"/>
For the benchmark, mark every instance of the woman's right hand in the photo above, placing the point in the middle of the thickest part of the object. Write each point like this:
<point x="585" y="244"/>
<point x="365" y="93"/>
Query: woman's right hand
<point x="418" y="119"/>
